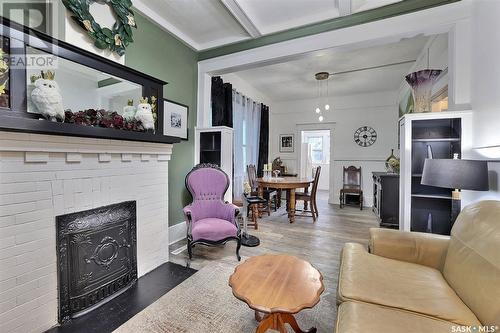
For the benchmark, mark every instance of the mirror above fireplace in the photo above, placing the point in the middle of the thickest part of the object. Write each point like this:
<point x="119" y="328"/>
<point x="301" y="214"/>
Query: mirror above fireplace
<point x="52" y="87"/>
<point x="83" y="87"/>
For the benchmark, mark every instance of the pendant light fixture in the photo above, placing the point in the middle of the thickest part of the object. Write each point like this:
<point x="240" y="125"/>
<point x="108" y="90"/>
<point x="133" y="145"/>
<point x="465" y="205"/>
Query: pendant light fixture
<point x="322" y="80"/>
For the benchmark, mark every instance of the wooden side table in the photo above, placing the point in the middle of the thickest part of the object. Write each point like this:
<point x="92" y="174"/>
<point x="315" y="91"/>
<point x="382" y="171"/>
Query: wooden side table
<point x="278" y="286"/>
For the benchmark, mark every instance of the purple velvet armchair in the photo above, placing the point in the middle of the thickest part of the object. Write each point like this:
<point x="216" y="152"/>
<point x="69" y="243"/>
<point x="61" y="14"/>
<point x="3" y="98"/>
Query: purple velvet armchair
<point x="210" y="220"/>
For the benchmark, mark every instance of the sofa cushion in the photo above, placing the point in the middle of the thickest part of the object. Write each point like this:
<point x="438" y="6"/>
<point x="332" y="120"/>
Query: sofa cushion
<point x="472" y="266"/>
<point x="355" y="317"/>
<point x="369" y="278"/>
<point x="213" y="229"/>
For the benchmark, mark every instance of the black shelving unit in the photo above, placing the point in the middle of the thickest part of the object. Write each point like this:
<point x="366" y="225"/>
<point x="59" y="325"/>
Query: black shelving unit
<point x="210" y="147"/>
<point x="431" y="206"/>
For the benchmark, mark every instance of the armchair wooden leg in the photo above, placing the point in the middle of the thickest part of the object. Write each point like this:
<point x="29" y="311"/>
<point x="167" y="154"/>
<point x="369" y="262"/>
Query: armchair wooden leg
<point x="361" y="201"/>
<point x="190" y="250"/>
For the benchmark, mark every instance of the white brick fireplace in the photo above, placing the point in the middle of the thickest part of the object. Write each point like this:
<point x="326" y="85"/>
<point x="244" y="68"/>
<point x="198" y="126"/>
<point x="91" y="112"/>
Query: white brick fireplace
<point x="44" y="176"/>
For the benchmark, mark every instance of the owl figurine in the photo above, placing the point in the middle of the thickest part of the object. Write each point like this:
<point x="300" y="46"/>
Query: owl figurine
<point x="48" y="99"/>
<point x="144" y="113"/>
<point x="129" y="111"/>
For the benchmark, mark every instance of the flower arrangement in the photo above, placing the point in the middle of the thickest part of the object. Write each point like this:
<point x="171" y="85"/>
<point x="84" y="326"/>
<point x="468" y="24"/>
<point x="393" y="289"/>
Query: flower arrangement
<point x="102" y="118"/>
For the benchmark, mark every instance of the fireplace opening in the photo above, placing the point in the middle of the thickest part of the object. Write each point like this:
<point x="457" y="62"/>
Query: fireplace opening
<point x="97" y="257"/>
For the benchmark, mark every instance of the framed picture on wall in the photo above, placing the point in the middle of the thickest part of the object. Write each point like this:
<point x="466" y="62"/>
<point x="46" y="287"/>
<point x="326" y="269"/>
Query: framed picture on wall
<point x="175" y="119"/>
<point x="286" y="143"/>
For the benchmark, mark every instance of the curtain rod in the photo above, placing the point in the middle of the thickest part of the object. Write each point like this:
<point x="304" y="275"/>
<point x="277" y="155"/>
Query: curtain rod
<point x="245" y="96"/>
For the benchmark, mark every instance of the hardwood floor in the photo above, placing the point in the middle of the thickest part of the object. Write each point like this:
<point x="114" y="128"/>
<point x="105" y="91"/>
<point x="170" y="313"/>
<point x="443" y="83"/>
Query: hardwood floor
<point x="320" y="243"/>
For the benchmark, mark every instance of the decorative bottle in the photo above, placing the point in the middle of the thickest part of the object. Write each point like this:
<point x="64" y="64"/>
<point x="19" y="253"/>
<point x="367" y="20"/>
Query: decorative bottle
<point x="428" y="229"/>
<point x="429" y="152"/>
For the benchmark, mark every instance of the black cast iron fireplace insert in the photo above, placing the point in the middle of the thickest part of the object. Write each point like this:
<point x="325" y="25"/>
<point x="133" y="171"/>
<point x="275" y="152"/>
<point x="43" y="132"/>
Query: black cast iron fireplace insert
<point x="97" y="258"/>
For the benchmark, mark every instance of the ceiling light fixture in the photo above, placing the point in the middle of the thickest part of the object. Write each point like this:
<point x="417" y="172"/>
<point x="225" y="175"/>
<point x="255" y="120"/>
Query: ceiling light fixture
<point x="322" y="79"/>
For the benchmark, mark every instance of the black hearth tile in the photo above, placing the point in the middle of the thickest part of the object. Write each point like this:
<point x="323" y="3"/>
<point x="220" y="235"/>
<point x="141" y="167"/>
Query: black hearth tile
<point x="114" y="313"/>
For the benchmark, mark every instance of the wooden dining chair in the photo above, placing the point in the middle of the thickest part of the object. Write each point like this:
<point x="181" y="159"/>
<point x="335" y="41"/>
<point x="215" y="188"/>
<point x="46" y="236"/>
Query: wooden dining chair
<point x="269" y="194"/>
<point x="351" y="185"/>
<point x="310" y="197"/>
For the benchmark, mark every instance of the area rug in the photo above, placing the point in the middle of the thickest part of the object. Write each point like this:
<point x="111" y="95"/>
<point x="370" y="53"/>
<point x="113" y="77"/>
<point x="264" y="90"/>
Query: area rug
<point x="204" y="303"/>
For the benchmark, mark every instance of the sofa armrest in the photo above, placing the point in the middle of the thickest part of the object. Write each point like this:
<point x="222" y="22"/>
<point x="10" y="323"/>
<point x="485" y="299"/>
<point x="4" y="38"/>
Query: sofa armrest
<point x="415" y="247"/>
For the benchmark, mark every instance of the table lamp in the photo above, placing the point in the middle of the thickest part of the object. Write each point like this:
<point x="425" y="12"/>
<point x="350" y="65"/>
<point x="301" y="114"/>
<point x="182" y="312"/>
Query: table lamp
<point x="458" y="175"/>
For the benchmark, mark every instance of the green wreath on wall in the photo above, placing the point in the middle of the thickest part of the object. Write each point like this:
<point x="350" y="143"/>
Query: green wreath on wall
<point x="115" y="39"/>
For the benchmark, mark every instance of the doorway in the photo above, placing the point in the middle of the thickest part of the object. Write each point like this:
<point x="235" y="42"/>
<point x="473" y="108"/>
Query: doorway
<point x="316" y="152"/>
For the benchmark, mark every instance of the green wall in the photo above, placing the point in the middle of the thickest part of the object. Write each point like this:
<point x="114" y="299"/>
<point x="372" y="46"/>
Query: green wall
<point x="157" y="53"/>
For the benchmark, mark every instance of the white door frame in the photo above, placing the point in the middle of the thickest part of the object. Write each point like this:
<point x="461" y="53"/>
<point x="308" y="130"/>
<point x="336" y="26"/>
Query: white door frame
<point x="329" y="126"/>
<point x="452" y="18"/>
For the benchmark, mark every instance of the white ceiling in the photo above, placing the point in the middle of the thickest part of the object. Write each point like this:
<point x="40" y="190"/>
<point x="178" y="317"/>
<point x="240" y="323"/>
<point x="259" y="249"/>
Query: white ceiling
<point x="295" y="80"/>
<point x="204" y="24"/>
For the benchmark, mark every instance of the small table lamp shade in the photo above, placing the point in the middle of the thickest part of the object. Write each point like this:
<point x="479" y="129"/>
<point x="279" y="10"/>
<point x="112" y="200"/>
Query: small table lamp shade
<point x="456" y="174"/>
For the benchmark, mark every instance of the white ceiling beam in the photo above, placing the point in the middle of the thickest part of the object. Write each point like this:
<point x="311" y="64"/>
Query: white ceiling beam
<point x="239" y="14"/>
<point x="344" y="7"/>
<point x="141" y="6"/>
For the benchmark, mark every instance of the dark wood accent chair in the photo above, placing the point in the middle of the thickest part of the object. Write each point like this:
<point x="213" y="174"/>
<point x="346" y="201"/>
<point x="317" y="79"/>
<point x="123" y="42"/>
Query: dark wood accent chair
<point x="351" y="185"/>
<point x="310" y="197"/>
<point x="269" y="194"/>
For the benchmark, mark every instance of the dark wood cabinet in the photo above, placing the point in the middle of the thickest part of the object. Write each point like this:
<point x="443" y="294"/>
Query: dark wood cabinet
<point x="386" y="198"/>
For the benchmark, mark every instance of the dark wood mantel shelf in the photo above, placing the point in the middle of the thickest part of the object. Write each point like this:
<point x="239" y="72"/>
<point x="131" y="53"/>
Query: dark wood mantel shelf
<point x="41" y="126"/>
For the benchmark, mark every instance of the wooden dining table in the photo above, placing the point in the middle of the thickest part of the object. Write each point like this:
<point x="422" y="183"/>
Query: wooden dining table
<point x="290" y="184"/>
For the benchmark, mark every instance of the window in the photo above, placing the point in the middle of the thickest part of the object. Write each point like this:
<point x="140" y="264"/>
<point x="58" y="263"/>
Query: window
<point x="320" y="145"/>
<point x="316" y="148"/>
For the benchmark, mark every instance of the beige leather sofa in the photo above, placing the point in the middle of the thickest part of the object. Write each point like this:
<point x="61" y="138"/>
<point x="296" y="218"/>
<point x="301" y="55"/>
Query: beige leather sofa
<point x="424" y="283"/>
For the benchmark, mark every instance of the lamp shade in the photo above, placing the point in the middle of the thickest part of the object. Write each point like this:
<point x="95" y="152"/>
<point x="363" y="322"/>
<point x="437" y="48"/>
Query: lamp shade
<point x="457" y="174"/>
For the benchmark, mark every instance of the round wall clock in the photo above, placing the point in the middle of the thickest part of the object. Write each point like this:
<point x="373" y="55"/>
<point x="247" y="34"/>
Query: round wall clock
<point x="365" y="136"/>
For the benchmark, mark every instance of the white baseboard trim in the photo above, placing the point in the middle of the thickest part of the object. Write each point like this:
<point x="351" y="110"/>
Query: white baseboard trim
<point x="177" y="232"/>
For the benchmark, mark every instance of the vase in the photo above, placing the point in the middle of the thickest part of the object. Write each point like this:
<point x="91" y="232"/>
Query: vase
<point x="421" y="83"/>
<point x="430" y="155"/>
<point x="428" y="229"/>
<point x="388" y="166"/>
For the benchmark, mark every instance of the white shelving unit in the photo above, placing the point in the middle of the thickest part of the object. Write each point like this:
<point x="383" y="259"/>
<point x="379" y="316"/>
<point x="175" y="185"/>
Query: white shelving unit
<point x="411" y="145"/>
<point x="215" y="145"/>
